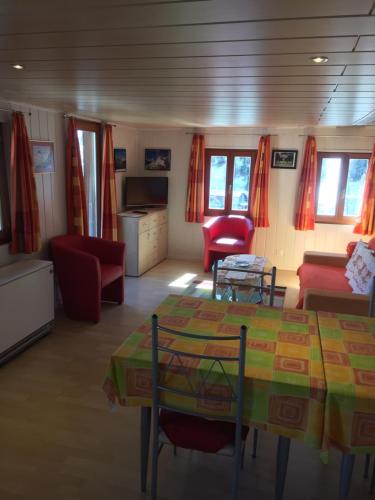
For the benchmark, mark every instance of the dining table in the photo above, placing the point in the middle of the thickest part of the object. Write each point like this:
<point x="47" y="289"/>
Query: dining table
<point x="309" y="376"/>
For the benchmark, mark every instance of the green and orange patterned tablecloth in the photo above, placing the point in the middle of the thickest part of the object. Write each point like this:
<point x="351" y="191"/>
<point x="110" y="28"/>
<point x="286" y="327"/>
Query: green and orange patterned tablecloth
<point x="348" y="345"/>
<point x="284" y="378"/>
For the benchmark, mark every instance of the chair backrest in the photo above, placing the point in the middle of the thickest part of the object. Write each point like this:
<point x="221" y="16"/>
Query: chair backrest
<point x="236" y="226"/>
<point x="211" y="379"/>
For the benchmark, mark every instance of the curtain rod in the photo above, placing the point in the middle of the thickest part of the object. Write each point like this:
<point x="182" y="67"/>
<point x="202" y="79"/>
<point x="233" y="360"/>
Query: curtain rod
<point x="9" y="110"/>
<point x="213" y="133"/>
<point x="357" y="136"/>
<point x="80" y="117"/>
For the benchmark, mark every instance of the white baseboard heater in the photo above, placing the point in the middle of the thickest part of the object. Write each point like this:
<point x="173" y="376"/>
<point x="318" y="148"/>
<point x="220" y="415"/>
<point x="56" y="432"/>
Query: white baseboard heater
<point x="26" y="305"/>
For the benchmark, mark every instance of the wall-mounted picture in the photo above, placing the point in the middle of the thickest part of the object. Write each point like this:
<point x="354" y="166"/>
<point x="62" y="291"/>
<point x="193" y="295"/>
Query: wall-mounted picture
<point x="120" y="159"/>
<point x="43" y="158"/>
<point x="284" y="158"/>
<point x="157" y="159"/>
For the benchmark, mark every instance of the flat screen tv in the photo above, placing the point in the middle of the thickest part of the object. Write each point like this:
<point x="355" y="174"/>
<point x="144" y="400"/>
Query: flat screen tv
<point x="146" y="191"/>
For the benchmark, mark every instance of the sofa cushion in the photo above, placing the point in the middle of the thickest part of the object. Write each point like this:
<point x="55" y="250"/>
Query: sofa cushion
<point x="234" y="244"/>
<point x="321" y="277"/>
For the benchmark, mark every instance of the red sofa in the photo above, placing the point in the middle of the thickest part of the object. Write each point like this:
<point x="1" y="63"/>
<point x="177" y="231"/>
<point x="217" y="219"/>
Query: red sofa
<point x="88" y="270"/>
<point x="226" y="235"/>
<point x="324" y="287"/>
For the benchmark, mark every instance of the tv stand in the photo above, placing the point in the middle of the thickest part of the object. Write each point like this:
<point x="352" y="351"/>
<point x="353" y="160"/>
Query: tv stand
<point x="145" y="233"/>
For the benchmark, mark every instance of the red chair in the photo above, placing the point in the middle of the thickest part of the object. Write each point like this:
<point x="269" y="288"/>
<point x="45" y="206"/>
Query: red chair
<point x="88" y="270"/>
<point x="226" y="235"/>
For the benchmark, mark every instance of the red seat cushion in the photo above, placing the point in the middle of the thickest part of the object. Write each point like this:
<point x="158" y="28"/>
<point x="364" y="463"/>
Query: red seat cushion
<point x="321" y="277"/>
<point x="110" y="273"/>
<point x="224" y="244"/>
<point x="198" y="433"/>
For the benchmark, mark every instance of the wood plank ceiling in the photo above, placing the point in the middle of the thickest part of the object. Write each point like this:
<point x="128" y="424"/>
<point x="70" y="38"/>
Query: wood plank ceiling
<point x="193" y="62"/>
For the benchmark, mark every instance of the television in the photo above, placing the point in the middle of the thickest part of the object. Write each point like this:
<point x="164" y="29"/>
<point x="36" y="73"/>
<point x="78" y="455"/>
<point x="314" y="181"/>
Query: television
<point x="146" y="191"/>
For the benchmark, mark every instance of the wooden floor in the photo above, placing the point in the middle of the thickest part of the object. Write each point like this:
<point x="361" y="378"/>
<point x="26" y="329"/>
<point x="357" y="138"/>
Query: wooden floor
<point x="59" y="440"/>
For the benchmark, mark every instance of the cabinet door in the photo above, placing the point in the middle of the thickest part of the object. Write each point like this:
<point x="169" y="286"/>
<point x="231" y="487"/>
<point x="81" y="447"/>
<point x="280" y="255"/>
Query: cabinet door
<point x="145" y="250"/>
<point x="163" y="241"/>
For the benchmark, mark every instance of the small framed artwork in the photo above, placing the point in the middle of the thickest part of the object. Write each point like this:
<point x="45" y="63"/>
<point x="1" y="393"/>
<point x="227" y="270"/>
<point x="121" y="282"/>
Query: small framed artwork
<point x="43" y="157"/>
<point x="120" y="159"/>
<point x="157" y="159"/>
<point x="284" y="158"/>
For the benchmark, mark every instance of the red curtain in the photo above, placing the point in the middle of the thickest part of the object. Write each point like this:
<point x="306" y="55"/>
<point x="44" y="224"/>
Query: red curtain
<point x="109" y="204"/>
<point x="366" y="224"/>
<point x="305" y="211"/>
<point x="24" y="207"/>
<point x="75" y="188"/>
<point x="259" y="185"/>
<point x="195" y="192"/>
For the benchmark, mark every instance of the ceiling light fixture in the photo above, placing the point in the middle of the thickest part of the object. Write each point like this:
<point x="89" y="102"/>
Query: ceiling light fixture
<point x="319" y="59"/>
<point x="17" y="66"/>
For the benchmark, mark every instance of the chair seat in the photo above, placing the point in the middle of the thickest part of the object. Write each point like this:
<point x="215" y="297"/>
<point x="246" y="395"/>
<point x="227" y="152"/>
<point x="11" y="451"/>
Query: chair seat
<point x="228" y="244"/>
<point x="110" y="273"/>
<point x="198" y="433"/>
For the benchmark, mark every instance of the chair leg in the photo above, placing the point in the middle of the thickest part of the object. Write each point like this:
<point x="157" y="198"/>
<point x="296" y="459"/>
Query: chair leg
<point x="347" y="464"/>
<point x="243" y="455"/>
<point x="282" y="466"/>
<point x="372" y="485"/>
<point x="175" y="451"/>
<point x="236" y="474"/>
<point x="367" y="466"/>
<point x="255" y="443"/>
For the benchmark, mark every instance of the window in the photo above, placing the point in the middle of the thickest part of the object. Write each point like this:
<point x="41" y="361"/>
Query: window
<point x="4" y="197"/>
<point x="227" y="181"/>
<point x="89" y="146"/>
<point x="340" y="186"/>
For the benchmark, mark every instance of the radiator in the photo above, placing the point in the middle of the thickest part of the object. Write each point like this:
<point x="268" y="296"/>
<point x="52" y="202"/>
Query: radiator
<point x="26" y="304"/>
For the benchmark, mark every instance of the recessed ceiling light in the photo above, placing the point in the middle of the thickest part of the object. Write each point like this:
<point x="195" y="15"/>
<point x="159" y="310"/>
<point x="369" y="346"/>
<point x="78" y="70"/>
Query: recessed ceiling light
<point x="17" y="66"/>
<point x="319" y="59"/>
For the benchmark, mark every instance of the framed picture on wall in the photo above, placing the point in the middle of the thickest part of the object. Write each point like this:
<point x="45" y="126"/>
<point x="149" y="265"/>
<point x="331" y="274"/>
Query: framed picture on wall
<point x="284" y="158"/>
<point x="120" y="159"/>
<point x="43" y="157"/>
<point x="157" y="159"/>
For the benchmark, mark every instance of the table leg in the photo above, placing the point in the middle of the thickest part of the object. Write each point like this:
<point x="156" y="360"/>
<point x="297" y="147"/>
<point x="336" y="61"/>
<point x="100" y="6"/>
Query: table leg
<point x="347" y="464"/>
<point x="367" y="466"/>
<point x="145" y="444"/>
<point x="282" y="466"/>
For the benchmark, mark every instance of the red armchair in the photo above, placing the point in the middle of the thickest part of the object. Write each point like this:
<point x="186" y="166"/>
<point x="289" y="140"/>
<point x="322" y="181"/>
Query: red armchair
<point x="88" y="270"/>
<point x="226" y="235"/>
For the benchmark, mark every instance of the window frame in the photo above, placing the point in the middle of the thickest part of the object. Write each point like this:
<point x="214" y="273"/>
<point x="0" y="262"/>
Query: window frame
<point x="339" y="217"/>
<point x="5" y="234"/>
<point x="230" y="153"/>
<point x="89" y="126"/>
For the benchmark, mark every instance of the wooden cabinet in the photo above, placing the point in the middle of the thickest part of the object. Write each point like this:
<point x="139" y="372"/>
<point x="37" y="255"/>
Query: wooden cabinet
<point x="146" y="239"/>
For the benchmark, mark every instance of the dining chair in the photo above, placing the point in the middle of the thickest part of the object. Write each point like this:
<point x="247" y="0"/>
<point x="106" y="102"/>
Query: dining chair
<point x="209" y="421"/>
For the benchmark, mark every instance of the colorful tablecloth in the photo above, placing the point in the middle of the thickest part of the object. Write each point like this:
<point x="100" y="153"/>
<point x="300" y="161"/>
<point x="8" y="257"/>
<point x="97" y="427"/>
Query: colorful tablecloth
<point x="284" y="377"/>
<point x="348" y="344"/>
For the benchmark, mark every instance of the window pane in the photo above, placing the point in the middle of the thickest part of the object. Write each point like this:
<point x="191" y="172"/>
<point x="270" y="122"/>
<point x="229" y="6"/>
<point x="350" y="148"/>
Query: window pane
<point x="241" y="181"/>
<point x="218" y="176"/>
<point x="87" y="146"/>
<point x="329" y="186"/>
<point x="355" y="186"/>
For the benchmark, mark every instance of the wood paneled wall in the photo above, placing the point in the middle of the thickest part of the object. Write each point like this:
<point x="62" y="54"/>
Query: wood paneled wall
<point x="43" y="125"/>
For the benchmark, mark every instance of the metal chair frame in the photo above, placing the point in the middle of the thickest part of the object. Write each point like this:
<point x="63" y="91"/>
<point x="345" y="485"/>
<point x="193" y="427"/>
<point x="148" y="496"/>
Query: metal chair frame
<point x="197" y="392"/>
<point x="261" y="287"/>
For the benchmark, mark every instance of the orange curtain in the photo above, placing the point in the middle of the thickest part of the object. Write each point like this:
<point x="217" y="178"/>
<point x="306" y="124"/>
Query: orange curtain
<point x="366" y="224"/>
<point x="24" y="207"/>
<point x="109" y="204"/>
<point x="195" y="192"/>
<point x="305" y="211"/>
<point x="259" y="185"/>
<point x="75" y="188"/>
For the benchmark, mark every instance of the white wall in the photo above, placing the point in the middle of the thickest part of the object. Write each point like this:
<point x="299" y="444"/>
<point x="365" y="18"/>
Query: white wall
<point x="42" y="125"/>
<point x="280" y="243"/>
<point x="125" y="137"/>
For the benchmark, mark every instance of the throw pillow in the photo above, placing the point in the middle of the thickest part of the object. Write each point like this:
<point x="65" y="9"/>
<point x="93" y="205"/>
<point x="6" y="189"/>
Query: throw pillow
<point x="350" y="248"/>
<point x="350" y="264"/>
<point x="363" y="270"/>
